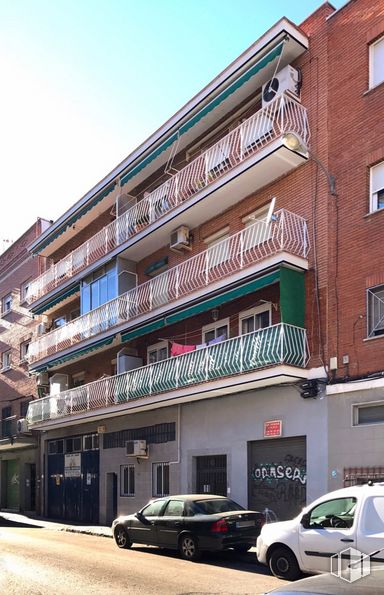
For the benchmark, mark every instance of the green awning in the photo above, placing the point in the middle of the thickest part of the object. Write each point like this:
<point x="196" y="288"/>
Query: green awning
<point x="73" y="355"/>
<point x="227" y="296"/>
<point x="143" y="330"/>
<point x="205" y="110"/>
<point x="96" y="199"/>
<point x="57" y="300"/>
<point x="213" y="302"/>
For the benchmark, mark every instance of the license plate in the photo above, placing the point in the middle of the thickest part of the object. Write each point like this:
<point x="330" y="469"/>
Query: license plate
<point x="245" y="524"/>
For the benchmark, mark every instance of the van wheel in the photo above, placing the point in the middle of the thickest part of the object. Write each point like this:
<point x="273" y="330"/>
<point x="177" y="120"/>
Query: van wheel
<point x="283" y="564"/>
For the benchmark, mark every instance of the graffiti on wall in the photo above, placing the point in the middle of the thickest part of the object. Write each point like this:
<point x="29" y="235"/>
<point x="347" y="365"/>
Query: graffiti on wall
<point x="280" y="482"/>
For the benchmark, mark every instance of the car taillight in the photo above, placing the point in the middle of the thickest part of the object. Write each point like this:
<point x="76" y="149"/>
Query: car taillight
<point x="220" y="526"/>
<point x="262" y="520"/>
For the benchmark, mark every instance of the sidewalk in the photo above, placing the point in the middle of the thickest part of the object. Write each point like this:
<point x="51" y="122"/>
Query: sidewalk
<point x="56" y="526"/>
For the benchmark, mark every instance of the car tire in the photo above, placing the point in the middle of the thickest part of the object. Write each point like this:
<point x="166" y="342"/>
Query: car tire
<point x="283" y="564"/>
<point x="189" y="547"/>
<point x="242" y="548"/>
<point x="121" y="537"/>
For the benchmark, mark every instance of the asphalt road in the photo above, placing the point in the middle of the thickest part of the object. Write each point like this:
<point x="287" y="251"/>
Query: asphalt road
<point x="39" y="561"/>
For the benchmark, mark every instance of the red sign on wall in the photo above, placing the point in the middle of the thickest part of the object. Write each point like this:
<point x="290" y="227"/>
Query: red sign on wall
<point x="273" y="428"/>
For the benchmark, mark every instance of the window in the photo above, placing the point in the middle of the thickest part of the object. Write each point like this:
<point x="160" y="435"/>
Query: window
<point x="98" y="288"/>
<point x="24" y="348"/>
<point x="174" y="508"/>
<point x="6" y="305"/>
<point x="78" y="379"/>
<point x="375" y="308"/>
<point x="91" y="442"/>
<point x="218" y="250"/>
<point x="377" y="187"/>
<point x="216" y="331"/>
<point x="6" y="421"/>
<point x="73" y="444"/>
<point x="333" y="514"/>
<point x="153" y="509"/>
<point x="24" y="290"/>
<point x="160" y="479"/>
<point x="127" y="480"/>
<point x="157" y="352"/>
<point x="371" y="413"/>
<point x="254" y="319"/>
<point x="55" y="447"/>
<point x="376" y="63"/>
<point x="6" y="360"/>
<point x="24" y="407"/>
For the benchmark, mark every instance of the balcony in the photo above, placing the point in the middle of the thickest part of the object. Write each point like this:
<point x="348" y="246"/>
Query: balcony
<point x="278" y="345"/>
<point x="251" y="139"/>
<point x="259" y="245"/>
<point x="12" y="436"/>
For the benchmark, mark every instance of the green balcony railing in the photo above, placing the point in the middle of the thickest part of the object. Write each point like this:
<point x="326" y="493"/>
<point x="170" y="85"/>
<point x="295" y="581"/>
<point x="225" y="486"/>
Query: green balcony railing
<point x="271" y="346"/>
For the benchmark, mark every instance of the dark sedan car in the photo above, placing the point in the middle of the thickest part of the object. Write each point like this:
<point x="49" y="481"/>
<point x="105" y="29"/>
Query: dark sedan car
<point x="190" y="523"/>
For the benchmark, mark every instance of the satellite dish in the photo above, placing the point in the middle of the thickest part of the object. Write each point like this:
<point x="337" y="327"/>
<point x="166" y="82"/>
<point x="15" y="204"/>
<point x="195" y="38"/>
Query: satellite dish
<point x="271" y="89"/>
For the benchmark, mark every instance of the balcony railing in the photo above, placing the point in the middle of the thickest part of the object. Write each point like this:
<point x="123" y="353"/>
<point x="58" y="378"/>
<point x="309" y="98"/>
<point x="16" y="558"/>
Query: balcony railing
<point x="271" y="346"/>
<point x="280" y="116"/>
<point x="286" y="232"/>
<point x="8" y="427"/>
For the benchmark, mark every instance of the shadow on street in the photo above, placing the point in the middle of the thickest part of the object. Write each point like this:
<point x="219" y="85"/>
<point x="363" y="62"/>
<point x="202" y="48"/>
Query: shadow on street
<point x="17" y="525"/>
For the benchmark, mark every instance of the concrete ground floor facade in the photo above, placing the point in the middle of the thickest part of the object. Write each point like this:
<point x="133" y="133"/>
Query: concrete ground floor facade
<point x="267" y="449"/>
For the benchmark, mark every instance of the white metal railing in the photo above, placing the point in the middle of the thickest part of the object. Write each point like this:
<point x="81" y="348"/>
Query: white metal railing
<point x="282" y="115"/>
<point x="285" y="232"/>
<point x="271" y="346"/>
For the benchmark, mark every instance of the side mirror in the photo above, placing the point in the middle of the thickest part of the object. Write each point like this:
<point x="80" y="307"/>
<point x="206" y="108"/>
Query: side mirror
<point x="304" y="521"/>
<point x="142" y="518"/>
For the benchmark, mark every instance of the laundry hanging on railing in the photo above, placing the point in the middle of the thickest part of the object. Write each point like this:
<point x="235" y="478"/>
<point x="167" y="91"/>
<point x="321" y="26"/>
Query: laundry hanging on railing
<point x="177" y="349"/>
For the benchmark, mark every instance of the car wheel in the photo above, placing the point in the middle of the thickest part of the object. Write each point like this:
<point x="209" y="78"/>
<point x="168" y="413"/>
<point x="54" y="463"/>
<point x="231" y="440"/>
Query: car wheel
<point x="242" y="548"/>
<point x="121" y="537"/>
<point x="283" y="564"/>
<point x="189" y="548"/>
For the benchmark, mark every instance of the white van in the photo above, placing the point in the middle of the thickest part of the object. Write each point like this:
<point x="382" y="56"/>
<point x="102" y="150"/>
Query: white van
<point x="347" y="518"/>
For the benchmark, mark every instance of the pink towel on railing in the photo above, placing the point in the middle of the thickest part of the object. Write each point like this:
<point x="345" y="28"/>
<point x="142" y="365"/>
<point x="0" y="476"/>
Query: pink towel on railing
<point x="177" y="349"/>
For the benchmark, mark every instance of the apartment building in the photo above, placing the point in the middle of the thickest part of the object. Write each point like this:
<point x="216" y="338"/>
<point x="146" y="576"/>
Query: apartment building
<point x="201" y="305"/>
<point x="18" y="445"/>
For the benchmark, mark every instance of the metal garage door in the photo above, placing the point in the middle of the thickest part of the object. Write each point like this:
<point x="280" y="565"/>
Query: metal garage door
<point x="277" y="476"/>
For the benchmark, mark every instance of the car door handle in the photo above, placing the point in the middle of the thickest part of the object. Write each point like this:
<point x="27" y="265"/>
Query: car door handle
<point x="178" y="524"/>
<point x="347" y="540"/>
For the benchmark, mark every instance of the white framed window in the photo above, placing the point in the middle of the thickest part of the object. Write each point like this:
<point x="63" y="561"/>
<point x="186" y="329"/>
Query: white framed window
<point x="127" y="480"/>
<point x="368" y="413"/>
<point x="24" y="349"/>
<point x="6" y="304"/>
<point x="377" y="187"/>
<point x="24" y="290"/>
<point x="257" y="230"/>
<point x="375" y="310"/>
<point x="376" y="63"/>
<point x="91" y="442"/>
<point x="217" y="248"/>
<point x="6" y="360"/>
<point x="157" y="352"/>
<point x="216" y="331"/>
<point x="255" y="319"/>
<point x="160" y="479"/>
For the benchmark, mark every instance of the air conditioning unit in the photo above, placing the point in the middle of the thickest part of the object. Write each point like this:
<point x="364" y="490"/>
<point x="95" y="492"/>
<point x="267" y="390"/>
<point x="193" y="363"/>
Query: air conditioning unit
<point x="22" y="426"/>
<point x="41" y="328"/>
<point x="136" y="448"/>
<point x="123" y="203"/>
<point x="288" y="80"/>
<point x="180" y="239"/>
<point x="42" y="379"/>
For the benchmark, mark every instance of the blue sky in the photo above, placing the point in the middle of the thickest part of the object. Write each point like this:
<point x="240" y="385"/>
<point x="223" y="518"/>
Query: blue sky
<point x="85" y="81"/>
